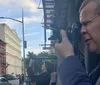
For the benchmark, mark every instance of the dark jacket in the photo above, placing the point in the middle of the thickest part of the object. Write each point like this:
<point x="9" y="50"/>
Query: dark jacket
<point x="41" y="79"/>
<point x="72" y="72"/>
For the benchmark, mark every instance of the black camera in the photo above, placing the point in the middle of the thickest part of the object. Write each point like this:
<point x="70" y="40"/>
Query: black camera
<point x="73" y="33"/>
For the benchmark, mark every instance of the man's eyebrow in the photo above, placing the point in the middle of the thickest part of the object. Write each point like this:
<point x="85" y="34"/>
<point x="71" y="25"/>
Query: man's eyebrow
<point x="85" y="20"/>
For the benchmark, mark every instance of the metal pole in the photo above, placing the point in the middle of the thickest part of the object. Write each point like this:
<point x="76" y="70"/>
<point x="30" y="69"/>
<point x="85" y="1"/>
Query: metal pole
<point x="11" y="19"/>
<point x="23" y="44"/>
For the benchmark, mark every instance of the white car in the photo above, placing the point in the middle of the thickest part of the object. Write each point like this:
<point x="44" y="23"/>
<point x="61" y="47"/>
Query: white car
<point x="4" y="81"/>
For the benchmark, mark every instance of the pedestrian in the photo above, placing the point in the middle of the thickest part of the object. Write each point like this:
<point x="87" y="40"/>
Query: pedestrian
<point x="44" y="77"/>
<point x="71" y="71"/>
<point x="22" y="78"/>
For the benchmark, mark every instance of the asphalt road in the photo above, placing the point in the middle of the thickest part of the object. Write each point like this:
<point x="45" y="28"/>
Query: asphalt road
<point x="14" y="82"/>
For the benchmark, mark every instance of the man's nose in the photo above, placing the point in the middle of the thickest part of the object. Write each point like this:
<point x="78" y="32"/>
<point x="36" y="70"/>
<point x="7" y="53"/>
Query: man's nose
<point x="83" y="30"/>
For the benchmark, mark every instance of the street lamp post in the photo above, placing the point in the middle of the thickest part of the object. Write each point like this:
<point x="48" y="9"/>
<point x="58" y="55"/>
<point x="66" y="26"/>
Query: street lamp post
<point x="22" y="22"/>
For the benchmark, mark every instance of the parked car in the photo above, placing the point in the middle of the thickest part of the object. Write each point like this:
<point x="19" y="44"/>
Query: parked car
<point x="9" y="77"/>
<point x="4" y="81"/>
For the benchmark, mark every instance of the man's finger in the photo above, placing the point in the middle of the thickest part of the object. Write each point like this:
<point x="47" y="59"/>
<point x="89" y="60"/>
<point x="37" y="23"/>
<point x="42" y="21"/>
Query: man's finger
<point x="57" y="46"/>
<point x="64" y="35"/>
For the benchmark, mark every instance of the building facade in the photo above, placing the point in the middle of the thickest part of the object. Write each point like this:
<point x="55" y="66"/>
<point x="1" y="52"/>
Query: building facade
<point x="13" y="49"/>
<point x="3" y="64"/>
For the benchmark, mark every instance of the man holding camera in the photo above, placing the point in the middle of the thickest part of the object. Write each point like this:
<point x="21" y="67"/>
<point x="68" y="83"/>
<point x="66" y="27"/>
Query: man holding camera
<point x="71" y="71"/>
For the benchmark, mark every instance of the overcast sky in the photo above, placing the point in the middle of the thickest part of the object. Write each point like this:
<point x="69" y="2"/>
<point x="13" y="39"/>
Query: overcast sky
<point x="34" y="32"/>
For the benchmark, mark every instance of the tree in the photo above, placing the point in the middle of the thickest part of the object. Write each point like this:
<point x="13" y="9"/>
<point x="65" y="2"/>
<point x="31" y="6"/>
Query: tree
<point x="31" y="55"/>
<point x="43" y="54"/>
<point x="51" y="57"/>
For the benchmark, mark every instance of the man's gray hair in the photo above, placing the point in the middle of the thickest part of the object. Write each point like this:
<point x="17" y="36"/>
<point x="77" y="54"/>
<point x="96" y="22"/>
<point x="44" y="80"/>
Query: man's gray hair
<point x="85" y="2"/>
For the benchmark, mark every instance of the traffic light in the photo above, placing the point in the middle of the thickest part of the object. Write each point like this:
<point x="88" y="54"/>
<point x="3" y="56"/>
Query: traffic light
<point x="25" y="44"/>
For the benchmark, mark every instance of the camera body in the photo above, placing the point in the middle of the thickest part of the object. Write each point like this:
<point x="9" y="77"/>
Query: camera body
<point x="72" y="32"/>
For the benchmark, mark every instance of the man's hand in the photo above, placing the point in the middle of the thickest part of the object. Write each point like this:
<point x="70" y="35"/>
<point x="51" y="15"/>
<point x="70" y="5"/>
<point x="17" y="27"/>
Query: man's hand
<point x="31" y="63"/>
<point x="53" y="77"/>
<point x="64" y="48"/>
